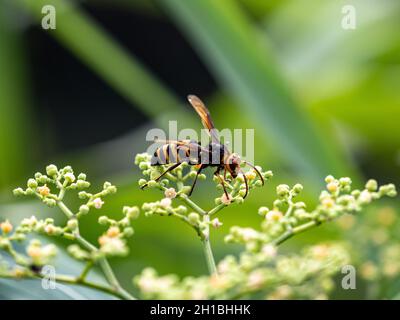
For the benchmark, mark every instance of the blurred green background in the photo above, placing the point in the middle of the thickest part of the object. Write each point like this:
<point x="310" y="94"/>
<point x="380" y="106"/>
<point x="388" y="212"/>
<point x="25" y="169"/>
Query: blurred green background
<point x="322" y="100"/>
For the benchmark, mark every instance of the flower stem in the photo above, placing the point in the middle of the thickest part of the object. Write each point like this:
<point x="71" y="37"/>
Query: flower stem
<point x="212" y="268"/>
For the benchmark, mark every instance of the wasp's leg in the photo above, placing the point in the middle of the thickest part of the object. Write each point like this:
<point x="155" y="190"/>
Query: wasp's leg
<point x="195" y="179"/>
<point x="176" y="165"/>
<point x="216" y="173"/>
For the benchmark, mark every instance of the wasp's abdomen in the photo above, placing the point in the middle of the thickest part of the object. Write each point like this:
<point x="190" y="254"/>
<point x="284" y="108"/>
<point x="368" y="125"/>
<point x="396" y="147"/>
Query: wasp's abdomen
<point x="176" y="153"/>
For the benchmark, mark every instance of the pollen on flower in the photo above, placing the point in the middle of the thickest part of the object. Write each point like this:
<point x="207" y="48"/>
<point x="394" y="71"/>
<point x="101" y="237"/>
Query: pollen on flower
<point x="113" y="232"/>
<point x="170" y="193"/>
<point x="6" y="227"/>
<point x="332" y="186"/>
<point x="43" y="190"/>
<point x="274" y="215"/>
<point x="98" y="203"/>
<point x="328" y="202"/>
<point x="250" y="175"/>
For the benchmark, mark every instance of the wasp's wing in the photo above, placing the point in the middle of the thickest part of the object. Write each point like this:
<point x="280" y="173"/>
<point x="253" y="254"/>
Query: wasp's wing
<point x="205" y="116"/>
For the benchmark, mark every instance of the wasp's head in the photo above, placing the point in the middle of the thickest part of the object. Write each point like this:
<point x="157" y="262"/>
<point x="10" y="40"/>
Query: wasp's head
<point x="233" y="164"/>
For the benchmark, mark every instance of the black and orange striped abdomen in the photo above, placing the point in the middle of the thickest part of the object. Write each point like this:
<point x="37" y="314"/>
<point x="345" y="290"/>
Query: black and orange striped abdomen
<point x="170" y="153"/>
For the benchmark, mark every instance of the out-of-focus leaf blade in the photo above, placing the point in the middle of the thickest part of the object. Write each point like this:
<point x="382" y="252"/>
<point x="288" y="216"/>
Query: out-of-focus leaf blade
<point x="248" y="71"/>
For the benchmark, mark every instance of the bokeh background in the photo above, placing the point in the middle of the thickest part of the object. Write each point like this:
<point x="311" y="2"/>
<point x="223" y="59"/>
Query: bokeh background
<point x="322" y="100"/>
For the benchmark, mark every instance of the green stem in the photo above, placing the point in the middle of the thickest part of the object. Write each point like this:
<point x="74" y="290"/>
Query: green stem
<point x="291" y="232"/>
<point x="212" y="268"/>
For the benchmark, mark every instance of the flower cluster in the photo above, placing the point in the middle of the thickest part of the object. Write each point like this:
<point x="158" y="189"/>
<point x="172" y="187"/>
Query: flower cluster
<point x="266" y="274"/>
<point x="50" y="188"/>
<point x="288" y="216"/>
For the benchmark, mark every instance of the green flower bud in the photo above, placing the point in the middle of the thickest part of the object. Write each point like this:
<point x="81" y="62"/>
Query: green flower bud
<point x="18" y="192"/>
<point x="345" y="181"/>
<point x="84" y="209"/>
<point x="42" y="179"/>
<point x="32" y="183"/>
<point x="49" y="202"/>
<point x="185" y="189"/>
<point x="103" y="220"/>
<point x="84" y="195"/>
<point x="37" y="175"/>
<point x="282" y="190"/>
<point x="82" y="176"/>
<point x="152" y="184"/>
<point x="29" y="192"/>
<point x="371" y="185"/>
<point x="193" y="218"/>
<point x="142" y="182"/>
<point x="268" y="174"/>
<point x="69" y="176"/>
<point x="297" y="188"/>
<point x="72" y="224"/>
<point x="131" y="212"/>
<point x="106" y="185"/>
<point x="329" y="179"/>
<point x="144" y="165"/>
<point x="51" y="170"/>
<point x="238" y="200"/>
<point x="67" y="169"/>
<point x="258" y="183"/>
<point x="111" y="189"/>
<point x="124" y="222"/>
<point x="128" y="232"/>
<point x="262" y="211"/>
<point x="181" y="210"/>
<point x="82" y="184"/>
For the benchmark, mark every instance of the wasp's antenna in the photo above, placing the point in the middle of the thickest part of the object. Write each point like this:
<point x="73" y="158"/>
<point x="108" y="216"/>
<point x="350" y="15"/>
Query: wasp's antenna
<point x="256" y="170"/>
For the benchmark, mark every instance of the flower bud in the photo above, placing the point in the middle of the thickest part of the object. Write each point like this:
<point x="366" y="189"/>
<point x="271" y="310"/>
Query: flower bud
<point x="181" y="210"/>
<point x="282" y="190"/>
<point x="103" y="220"/>
<point x="131" y="212"/>
<point x="69" y="176"/>
<point x="142" y="182"/>
<point x="72" y="224"/>
<point x="152" y="184"/>
<point x="128" y="232"/>
<point x="43" y="191"/>
<point x="297" y="188"/>
<point x="332" y="187"/>
<point x="166" y="202"/>
<point x="194" y="218"/>
<point x="18" y="192"/>
<point x="32" y="183"/>
<point x="82" y="184"/>
<point x="262" y="211"/>
<point x="49" y="202"/>
<point x="51" y="170"/>
<point x="329" y="179"/>
<point x="84" y="209"/>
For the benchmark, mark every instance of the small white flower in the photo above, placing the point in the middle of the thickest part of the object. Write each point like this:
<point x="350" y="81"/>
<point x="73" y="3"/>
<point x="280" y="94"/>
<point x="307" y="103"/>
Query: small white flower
<point x="69" y="177"/>
<point x="226" y="200"/>
<point x="274" y="215"/>
<point x="98" y="203"/>
<point x="216" y="223"/>
<point x="170" y="193"/>
<point x="365" y="197"/>
<point x="269" y="250"/>
<point x="165" y="203"/>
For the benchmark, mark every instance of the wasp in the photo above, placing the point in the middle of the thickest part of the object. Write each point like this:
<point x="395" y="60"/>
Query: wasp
<point x="215" y="154"/>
